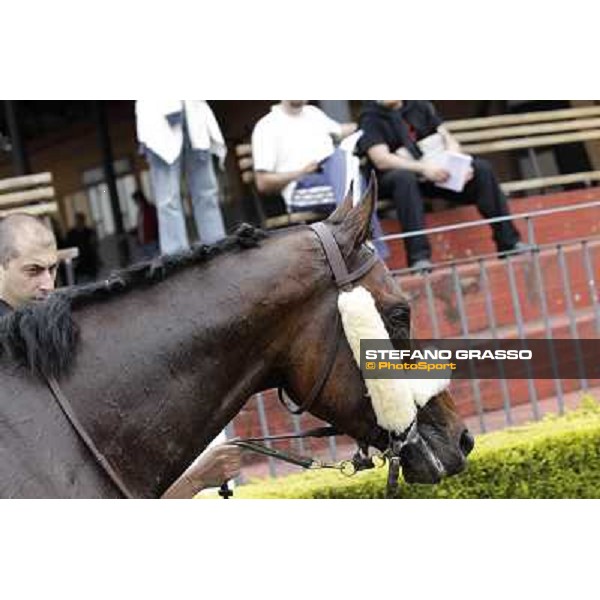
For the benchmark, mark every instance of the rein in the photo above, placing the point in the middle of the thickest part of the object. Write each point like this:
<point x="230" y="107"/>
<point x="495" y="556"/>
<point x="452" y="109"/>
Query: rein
<point x="67" y="409"/>
<point x="358" y="462"/>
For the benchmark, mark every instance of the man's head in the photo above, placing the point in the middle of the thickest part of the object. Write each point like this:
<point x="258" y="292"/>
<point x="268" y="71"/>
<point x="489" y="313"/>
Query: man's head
<point x="294" y="107"/>
<point x="391" y="104"/>
<point x="28" y="259"/>
<point x="139" y="198"/>
<point x="79" y="220"/>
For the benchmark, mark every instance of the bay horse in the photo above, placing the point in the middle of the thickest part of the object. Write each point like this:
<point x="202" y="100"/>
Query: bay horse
<point x="156" y="360"/>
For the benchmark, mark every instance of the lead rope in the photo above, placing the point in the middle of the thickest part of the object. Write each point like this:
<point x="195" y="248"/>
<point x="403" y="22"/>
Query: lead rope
<point x="359" y="462"/>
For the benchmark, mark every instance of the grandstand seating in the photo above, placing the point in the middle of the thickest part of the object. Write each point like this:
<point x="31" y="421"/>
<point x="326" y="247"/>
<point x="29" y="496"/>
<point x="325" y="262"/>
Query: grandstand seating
<point x="531" y="131"/>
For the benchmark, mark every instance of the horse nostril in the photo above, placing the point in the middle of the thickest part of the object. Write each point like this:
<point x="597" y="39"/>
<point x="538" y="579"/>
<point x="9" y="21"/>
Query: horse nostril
<point x="466" y="442"/>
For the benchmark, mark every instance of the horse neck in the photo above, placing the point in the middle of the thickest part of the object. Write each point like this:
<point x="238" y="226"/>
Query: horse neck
<point x="194" y="349"/>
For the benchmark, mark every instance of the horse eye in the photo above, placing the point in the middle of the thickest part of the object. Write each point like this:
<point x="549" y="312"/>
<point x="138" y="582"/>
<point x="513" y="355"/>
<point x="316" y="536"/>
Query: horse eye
<point x="397" y="321"/>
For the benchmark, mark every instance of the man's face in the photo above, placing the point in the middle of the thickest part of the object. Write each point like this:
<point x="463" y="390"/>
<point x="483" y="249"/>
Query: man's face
<point x="294" y="106"/>
<point x="32" y="274"/>
<point x="391" y="104"/>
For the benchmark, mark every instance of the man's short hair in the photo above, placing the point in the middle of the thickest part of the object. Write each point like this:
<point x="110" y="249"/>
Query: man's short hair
<point x="10" y="227"/>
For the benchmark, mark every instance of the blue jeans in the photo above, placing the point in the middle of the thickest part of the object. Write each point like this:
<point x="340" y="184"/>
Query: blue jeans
<point x="203" y="188"/>
<point x="147" y="251"/>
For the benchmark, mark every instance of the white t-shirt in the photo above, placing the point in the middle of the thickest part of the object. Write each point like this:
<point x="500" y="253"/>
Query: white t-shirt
<point x="282" y="142"/>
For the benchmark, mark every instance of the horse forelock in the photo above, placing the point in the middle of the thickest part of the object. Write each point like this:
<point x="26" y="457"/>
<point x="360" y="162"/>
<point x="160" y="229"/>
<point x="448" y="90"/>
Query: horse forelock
<point x="41" y="336"/>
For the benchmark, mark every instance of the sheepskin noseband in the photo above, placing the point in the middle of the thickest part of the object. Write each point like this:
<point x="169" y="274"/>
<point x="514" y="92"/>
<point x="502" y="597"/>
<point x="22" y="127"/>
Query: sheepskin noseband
<point x="395" y="401"/>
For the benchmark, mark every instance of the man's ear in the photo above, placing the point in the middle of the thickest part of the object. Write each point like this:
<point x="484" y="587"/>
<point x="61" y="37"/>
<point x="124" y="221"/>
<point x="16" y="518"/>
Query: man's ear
<point x="354" y="225"/>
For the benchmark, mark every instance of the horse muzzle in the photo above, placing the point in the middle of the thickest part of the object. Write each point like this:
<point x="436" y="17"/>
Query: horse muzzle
<point x="426" y="462"/>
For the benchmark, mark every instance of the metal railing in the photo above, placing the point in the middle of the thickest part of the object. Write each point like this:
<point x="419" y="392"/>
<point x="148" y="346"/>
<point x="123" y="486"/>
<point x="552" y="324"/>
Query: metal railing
<point x="527" y="216"/>
<point x="580" y="249"/>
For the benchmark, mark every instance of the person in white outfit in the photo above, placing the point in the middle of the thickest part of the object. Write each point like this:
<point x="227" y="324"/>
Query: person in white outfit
<point x="293" y="151"/>
<point x="178" y="134"/>
<point x="295" y="155"/>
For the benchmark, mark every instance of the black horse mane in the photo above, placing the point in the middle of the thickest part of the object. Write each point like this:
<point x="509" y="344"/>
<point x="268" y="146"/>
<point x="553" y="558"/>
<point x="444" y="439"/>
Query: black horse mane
<point x="43" y="336"/>
<point x="149" y="272"/>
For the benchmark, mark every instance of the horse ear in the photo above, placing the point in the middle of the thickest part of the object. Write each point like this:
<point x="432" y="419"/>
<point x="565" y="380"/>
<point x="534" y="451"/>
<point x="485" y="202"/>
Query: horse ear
<point x="354" y="227"/>
<point x="342" y="210"/>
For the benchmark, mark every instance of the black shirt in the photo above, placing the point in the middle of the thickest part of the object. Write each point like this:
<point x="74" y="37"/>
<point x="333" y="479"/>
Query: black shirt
<point x="4" y="308"/>
<point x="397" y="128"/>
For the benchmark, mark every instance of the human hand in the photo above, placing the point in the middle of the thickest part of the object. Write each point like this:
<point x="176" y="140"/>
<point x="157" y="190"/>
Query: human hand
<point x="214" y="467"/>
<point x="434" y="173"/>
<point x="469" y="175"/>
<point x="311" y="167"/>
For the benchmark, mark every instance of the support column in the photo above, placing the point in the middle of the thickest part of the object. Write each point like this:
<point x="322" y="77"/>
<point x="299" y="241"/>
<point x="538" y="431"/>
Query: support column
<point x="109" y="177"/>
<point x="19" y="153"/>
<point x="337" y="109"/>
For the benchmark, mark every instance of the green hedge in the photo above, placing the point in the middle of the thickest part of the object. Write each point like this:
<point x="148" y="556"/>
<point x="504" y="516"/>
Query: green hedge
<point x="558" y="457"/>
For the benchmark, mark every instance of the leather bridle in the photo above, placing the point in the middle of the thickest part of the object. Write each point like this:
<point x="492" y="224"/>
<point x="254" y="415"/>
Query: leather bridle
<point x="396" y="443"/>
<point x="343" y="280"/>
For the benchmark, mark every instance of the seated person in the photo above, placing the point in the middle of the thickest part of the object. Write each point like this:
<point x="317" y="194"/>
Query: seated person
<point x="85" y="240"/>
<point x="293" y="150"/>
<point x="294" y="155"/>
<point x="391" y="130"/>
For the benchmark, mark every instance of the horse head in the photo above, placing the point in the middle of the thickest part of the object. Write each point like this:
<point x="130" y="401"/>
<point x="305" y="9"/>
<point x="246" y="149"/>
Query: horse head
<point x="319" y="371"/>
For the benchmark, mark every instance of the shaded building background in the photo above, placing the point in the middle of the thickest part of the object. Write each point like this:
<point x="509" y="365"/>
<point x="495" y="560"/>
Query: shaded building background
<point x="92" y="151"/>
